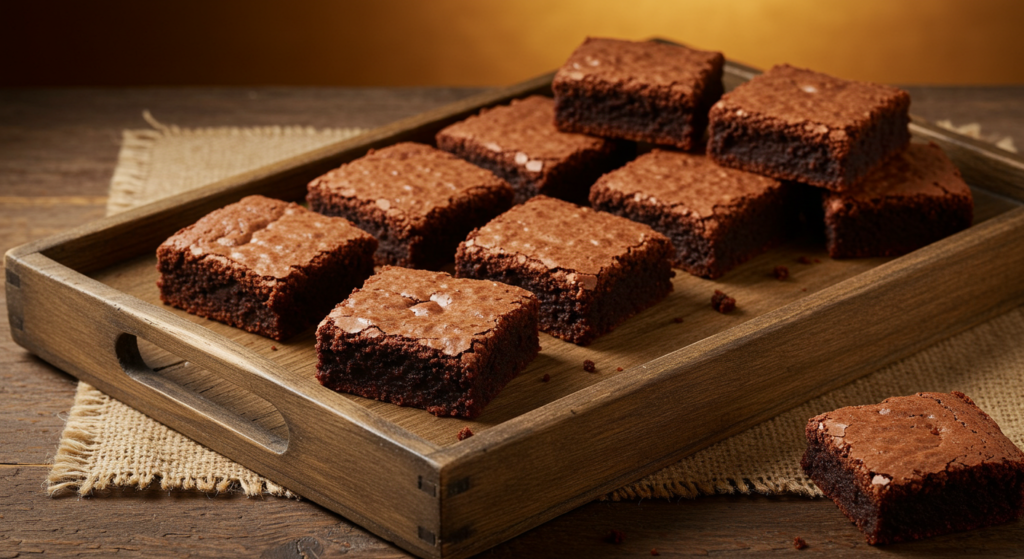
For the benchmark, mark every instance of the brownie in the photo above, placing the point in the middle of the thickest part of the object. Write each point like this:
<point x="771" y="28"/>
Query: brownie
<point x="716" y="217"/>
<point x="428" y="340"/>
<point x="520" y="143"/>
<point x="643" y="91"/>
<point x="591" y="270"/>
<point x="913" y="199"/>
<point x="916" y="466"/>
<point x="796" y="124"/>
<point x="263" y="265"/>
<point x="419" y="202"/>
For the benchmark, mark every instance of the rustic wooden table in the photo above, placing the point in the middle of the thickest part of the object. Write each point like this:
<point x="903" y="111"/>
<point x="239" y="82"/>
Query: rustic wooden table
<point x="58" y="149"/>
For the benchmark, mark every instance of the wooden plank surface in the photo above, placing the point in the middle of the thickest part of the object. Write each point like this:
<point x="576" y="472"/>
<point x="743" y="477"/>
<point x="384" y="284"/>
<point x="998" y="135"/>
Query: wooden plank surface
<point x="57" y="150"/>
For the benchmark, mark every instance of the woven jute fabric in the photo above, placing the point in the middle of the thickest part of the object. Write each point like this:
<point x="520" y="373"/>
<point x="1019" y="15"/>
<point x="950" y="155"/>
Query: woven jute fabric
<point x="108" y="444"/>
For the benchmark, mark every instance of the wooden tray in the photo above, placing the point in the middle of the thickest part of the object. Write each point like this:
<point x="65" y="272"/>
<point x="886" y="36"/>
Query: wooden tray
<point x="86" y="302"/>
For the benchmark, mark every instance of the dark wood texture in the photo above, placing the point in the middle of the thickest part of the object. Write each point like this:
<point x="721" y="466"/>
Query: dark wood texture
<point x="34" y="392"/>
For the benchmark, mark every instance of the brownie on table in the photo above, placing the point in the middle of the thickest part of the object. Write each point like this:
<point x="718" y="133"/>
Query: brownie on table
<point x="591" y="270"/>
<point x="916" y="466"/>
<point x="520" y="143"/>
<point x="716" y="217"/>
<point x="643" y="91"/>
<point x="428" y="340"/>
<point x="913" y="199"/>
<point x="419" y="202"/>
<point x="796" y="124"/>
<point x="263" y="265"/>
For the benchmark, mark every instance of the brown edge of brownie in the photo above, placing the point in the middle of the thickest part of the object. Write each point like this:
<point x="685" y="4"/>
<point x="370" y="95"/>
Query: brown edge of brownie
<point x="403" y="244"/>
<point x="658" y="116"/>
<point x="753" y="228"/>
<point x="569" y="179"/>
<point x="402" y="371"/>
<point x="221" y="290"/>
<point x="944" y="502"/>
<point x="790" y="152"/>
<point x="640" y="278"/>
<point x="922" y="221"/>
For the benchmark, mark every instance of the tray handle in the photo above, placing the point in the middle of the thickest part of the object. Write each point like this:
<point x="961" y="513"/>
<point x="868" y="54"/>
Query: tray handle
<point x="126" y="349"/>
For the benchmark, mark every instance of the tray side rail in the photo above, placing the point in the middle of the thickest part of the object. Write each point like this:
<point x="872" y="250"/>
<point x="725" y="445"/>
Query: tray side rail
<point x="333" y="451"/>
<point x="117" y="238"/>
<point x="716" y="388"/>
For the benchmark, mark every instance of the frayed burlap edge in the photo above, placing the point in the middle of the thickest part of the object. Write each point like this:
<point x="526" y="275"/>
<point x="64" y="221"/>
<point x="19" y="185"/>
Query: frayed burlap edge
<point x="78" y="443"/>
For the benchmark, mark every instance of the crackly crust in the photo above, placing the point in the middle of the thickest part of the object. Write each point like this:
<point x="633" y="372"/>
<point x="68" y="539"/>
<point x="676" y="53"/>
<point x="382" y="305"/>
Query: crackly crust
<point x="916" y="466"/>
<point x="590" y="270"/>
<point x="263" y="265"/>
<point x="425" y="339"/>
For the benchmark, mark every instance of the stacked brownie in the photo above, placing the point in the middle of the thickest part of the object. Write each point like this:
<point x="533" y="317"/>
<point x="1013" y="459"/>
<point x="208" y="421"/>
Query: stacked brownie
<point x="799" y="125"/>
<point x="881" y="196"/>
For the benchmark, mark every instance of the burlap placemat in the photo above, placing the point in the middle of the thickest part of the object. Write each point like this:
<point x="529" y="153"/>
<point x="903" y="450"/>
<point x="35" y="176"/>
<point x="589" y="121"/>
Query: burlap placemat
<point x="108" y="444"/>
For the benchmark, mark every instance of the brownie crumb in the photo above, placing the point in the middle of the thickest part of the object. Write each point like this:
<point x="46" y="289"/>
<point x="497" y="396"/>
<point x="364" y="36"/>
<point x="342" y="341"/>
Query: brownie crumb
<point x="273" y="348"/>
<point x="589" y="366"/>
<point x="817" y="261"/>
<point x="799" y="543"/>
<point x="619" y="369"/>
<point x="678" y="320"/>
<point x="615" y="536"/>
<point x="464" y="433"/>
<point x="654" y="551"/>
<point x="803" y="260"/>
<point x="722" y="302"/>
<point x="804" y="289"/>
<point x="781" y="273"/>
<point x="545" y="378"/>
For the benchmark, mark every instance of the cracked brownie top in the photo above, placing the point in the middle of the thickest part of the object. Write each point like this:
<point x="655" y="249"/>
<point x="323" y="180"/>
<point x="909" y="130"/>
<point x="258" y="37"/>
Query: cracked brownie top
<point x="269" y="237"/>
<point x="904" y="439"/>
<point x="439" y="311"/>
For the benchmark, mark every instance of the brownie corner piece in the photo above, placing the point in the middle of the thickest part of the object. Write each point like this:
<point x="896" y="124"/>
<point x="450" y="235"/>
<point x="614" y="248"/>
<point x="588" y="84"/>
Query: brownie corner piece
<point x="267" y="266"/>
<point x="520" y="143"/>
<point x="805" y="126"/>
<point x="590" y="270"/>
<point x="418" y="201"/>
<point x="638" y="90"/>
<point x="915" y="466"/>
<point x="428" y="340"/>
<point x="912" y="200"/>
<point x="716" y="217"/>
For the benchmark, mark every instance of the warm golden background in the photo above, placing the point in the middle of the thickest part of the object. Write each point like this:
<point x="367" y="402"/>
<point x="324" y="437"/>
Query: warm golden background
<point x="484" y="42"/>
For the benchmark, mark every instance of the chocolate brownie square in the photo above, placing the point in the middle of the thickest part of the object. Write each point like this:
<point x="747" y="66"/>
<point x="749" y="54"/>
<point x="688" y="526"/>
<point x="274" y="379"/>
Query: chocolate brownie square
<point x="799" y="125"/>
<point x="419" y="202"/>
<point x="520" y="143"/>
<point x="716" y="217"/>
<point x="643" y="91"/>
<point x="591" y="270"/>
<point x="916" y="466"/>
<point x="428" y="340"/>
<point x="913" y="199"/>
<point x="263" y="265"/>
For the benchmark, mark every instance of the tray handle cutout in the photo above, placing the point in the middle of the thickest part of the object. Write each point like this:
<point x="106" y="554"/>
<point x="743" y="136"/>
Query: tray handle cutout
<point x="202" y="391"/>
